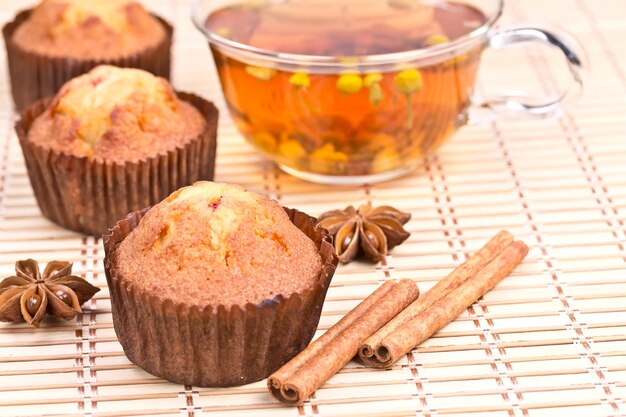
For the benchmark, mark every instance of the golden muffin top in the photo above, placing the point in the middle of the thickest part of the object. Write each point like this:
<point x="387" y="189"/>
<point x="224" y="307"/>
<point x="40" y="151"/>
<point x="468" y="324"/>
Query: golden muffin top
<point x="91" y="98"/>
<point x="117" y="114"/>
<point x="88" y="29"/>
<point x="112" y="13"/>
<point x="213" y="243"/>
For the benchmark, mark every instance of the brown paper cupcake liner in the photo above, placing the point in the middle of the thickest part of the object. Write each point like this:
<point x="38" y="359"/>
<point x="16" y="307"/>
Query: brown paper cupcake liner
<point x="89" y="196"/>
<point x="35" y="76"/>
<point x="215" y="345"/>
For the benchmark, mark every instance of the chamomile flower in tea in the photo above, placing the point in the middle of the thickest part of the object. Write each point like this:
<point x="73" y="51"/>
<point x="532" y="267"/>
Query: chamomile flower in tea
<point x="356" y="120"/>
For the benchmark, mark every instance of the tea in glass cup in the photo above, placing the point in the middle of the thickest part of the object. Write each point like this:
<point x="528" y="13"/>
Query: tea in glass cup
<point x="340" y="91"/>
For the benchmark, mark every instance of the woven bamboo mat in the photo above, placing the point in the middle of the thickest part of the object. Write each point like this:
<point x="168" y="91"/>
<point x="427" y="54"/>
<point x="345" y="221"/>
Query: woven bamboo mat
<point x="550" y="340"/>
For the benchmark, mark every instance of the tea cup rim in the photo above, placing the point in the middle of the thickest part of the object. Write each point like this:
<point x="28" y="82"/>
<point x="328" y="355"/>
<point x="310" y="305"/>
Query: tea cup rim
<point x="253" y="53"/>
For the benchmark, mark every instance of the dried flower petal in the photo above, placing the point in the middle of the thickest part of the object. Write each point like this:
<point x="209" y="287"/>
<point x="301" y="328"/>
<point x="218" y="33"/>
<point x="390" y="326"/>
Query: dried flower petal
<point x="408" y="81"/>
<point x="300" y="80"/>
<point x="224" y="32"/>
<point x="292" y="149"/>
<point x="371" y="79"/>
<point x="349" y="83"/>
<point x="376" y="94"/>
<point x="437" y="39"/>
<point x="261" y="73"/>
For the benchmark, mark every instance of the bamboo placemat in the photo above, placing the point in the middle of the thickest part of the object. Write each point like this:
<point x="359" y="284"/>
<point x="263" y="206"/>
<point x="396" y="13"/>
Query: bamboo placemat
<point x="548" y="341"/>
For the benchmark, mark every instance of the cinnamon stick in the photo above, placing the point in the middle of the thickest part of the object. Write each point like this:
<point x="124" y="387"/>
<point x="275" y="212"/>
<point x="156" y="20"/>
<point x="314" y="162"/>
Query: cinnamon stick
<point x="446" y="309"/>
<point x="301" y="376"/>
<point x="457" y="277"/>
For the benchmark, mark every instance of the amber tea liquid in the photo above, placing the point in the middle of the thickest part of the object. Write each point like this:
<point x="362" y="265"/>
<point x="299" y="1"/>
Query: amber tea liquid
<point x="349" y="122"/>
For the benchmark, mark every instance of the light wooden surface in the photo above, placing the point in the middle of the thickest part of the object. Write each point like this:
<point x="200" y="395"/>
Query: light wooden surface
<point x="550" y="340"/>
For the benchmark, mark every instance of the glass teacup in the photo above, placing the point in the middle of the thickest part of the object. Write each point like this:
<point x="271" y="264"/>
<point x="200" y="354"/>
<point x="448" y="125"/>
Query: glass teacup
<point x="348" y="104"/>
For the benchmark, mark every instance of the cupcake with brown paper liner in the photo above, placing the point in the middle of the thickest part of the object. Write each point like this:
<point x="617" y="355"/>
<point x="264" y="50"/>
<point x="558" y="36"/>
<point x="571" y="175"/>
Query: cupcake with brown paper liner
<point x="114" y="141"/>
<point x="60" y="39"/>
<point x="215" y="285"/>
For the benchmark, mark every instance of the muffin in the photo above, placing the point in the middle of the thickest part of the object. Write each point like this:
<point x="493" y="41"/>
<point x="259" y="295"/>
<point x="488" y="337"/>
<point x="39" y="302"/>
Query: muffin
<point x="113" y="141"/>
<point x="61" y="39"/>
<point x="215" y="285"/>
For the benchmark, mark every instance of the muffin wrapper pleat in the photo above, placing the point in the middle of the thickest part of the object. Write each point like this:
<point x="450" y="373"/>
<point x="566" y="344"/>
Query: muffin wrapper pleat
<point x="35" y="76"/>
<point x="89" y="196"/>
<point x="215" y="345"/>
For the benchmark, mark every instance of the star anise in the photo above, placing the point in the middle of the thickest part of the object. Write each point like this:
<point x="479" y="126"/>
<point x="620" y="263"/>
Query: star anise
<point x="29" y="295"/>
<point x="368" y="230"/>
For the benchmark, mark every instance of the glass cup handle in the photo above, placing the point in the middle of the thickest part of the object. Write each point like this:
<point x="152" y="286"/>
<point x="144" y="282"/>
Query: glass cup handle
<point x="516" y="105"/>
